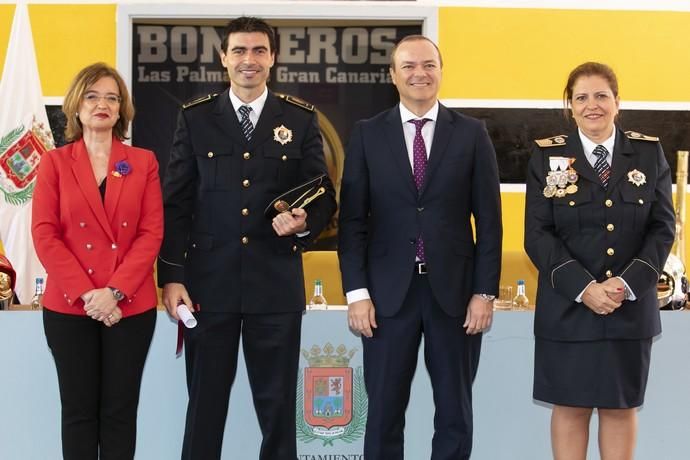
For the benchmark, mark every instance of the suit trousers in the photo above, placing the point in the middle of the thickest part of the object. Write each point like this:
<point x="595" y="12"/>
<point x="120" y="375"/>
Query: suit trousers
<point x="99" y="373"/>
<point x="271" y="351"/>
<point x="390" y="360"/>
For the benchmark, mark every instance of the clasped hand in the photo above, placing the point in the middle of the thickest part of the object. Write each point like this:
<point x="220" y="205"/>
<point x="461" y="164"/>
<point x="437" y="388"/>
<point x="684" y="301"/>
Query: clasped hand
<point x="290" y="222"/>
<point x="100" y="305"/>
<point x="604" y="298"/>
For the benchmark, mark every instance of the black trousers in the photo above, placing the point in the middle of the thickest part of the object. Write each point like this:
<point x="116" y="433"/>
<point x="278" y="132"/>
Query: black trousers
<point x="271" y="351"/>
<point x="99" y="372"/>
<point x="390" y="360"/>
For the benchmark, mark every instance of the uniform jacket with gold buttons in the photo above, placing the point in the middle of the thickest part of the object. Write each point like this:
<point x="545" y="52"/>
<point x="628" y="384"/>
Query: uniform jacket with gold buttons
<point x="84" y="242"/>
<point x="218" y="242"/>
<point x="625" y="230"/>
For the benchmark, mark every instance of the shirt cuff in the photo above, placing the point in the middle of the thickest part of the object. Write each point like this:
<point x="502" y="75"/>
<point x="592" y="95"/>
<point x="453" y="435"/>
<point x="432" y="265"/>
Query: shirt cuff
<point x="302" y="234"/>
<point x="578" y="299"/>
<point x="629" y="294"/>
<point x="357" y="295"/>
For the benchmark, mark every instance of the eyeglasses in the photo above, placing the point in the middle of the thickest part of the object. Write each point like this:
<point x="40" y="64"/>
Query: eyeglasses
<point x="94" y="98"/>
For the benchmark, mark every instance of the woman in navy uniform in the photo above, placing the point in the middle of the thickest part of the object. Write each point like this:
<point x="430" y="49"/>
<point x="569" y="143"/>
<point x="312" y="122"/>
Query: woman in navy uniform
<point x="599" y="226"/>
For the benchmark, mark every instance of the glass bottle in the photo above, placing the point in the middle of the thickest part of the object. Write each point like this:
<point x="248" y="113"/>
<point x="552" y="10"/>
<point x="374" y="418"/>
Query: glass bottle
<point x="318" y="301"/>
<point x="521" y="302"/>
<point x="38" y="295"/>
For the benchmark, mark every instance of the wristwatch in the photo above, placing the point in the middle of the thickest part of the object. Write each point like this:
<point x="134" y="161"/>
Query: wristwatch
<point x="117" y="294"/>
<point x="487" y="297"/>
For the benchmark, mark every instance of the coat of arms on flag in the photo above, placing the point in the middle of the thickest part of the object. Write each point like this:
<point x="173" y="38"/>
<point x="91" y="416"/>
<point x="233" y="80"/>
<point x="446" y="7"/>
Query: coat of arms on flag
<point x="20" y="153"/>
<point x="331" y="398"/>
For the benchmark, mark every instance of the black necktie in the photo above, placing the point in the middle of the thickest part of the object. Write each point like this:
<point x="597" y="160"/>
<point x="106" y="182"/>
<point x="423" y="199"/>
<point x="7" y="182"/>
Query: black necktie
<point x="245" y="122"/>
<point x="601" y="166"/>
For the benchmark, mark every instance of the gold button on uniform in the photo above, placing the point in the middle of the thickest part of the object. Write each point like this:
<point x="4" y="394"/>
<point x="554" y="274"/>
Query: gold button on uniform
<point x="245" y="240"/>
<point x="641" y="201"/>
<point x="284" y="158"/>
<point x="113" y="246"/>
<point x="210" y="154"/>
<point x="246" y="155"/>
<point x="610" y="251"/>
<point x="610" y="227"/>
<point x="294" y="248"/>
<point x="245" y="212"/>
<point x="608" y="203"/>
<point x="571" y="203"/>
<point x="609" y="273"/>
<point x="245" y="183"/>
<point x="89" y="246"/>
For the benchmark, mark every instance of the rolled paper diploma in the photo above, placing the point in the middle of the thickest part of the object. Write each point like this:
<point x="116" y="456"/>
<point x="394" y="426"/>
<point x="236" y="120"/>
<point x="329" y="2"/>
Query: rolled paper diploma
<point x="186" y="316"/>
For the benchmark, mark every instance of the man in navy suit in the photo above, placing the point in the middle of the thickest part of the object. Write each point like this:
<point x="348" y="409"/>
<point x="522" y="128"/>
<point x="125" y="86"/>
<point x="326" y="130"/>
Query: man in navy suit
<point x="414" y="178"/>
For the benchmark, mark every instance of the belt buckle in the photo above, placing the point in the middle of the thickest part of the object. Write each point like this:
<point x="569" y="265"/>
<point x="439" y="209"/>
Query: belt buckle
<point x="420" y="268"/>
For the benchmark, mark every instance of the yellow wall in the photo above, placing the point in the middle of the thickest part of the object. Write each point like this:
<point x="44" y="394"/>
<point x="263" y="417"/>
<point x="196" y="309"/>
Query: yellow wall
<point x="494" y="53"/>
<point x="501" y="53"/>
<point x="6" y="12"/>
<point x="66" y="38"/>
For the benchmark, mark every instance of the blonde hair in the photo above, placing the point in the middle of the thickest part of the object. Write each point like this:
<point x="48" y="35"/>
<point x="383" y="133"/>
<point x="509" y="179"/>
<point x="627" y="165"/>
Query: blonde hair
<point x="86" y="78"/>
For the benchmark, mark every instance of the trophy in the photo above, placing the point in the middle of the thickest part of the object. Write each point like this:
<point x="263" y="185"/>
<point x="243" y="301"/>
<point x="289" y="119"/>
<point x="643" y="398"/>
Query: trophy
<point x="7" y="280"/>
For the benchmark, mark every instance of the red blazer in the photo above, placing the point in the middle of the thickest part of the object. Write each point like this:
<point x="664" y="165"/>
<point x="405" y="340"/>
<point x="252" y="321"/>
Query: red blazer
<point x="85" y="242"/>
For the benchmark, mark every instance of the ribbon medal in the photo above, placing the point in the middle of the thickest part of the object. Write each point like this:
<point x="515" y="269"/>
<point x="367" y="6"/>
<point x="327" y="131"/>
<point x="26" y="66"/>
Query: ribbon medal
<point x="560" y="180"/>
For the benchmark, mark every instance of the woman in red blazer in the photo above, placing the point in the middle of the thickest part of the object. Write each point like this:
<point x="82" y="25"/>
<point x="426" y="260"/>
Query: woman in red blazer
<point x="97" y="227"/>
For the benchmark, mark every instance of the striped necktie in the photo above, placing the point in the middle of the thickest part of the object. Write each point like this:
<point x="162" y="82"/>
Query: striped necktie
<point x="601" y="166"/>
<point x="245" y="122"/>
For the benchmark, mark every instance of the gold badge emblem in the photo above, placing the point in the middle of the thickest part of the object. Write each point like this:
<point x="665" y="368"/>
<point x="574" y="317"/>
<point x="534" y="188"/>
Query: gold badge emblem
<point x="281" y="206"/>
<point x="282" y="134"/>
<point x="637" y="177"/>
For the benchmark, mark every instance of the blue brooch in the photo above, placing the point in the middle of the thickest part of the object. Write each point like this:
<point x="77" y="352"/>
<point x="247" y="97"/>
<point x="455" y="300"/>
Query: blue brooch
<point x="122" y="168"/>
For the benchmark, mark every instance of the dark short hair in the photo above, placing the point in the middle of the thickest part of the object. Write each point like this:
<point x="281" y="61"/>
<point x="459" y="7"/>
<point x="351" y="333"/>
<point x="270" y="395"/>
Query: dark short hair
<point x="86" y="78"/>
<point x="248" y="24"/>
<point x="412" y="38"/>
<point x="588" y="69"/>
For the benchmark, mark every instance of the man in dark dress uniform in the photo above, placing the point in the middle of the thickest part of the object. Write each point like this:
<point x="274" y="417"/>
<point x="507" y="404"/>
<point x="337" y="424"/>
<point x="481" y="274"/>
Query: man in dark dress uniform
<point x="232" y="154"/>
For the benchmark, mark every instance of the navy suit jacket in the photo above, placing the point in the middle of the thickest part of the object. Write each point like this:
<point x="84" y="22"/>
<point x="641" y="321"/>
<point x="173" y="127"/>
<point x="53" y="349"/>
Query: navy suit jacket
<point x="382" y="213"/>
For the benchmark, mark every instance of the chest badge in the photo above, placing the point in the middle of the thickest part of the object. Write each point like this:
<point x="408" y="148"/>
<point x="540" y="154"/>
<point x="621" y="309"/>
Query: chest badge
<point x="637" y="178"/>
<point x="282" y="134"/>
<point x="561" y="179"/>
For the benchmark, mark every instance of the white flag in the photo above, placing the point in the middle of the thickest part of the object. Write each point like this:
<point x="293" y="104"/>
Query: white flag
<point x="24" y="136"/>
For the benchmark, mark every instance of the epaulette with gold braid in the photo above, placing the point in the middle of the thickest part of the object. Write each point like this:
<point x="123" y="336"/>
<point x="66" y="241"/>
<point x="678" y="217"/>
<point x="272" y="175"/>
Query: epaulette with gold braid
<point x="641" y="137"/>
<point x="296" y="101"/>
<point x="552" y="141"/>
<point x="199" y="100"/>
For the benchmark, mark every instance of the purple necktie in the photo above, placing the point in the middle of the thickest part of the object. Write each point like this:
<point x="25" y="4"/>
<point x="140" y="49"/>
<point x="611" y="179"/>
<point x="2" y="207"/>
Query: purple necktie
<point x="418" y="169"/>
